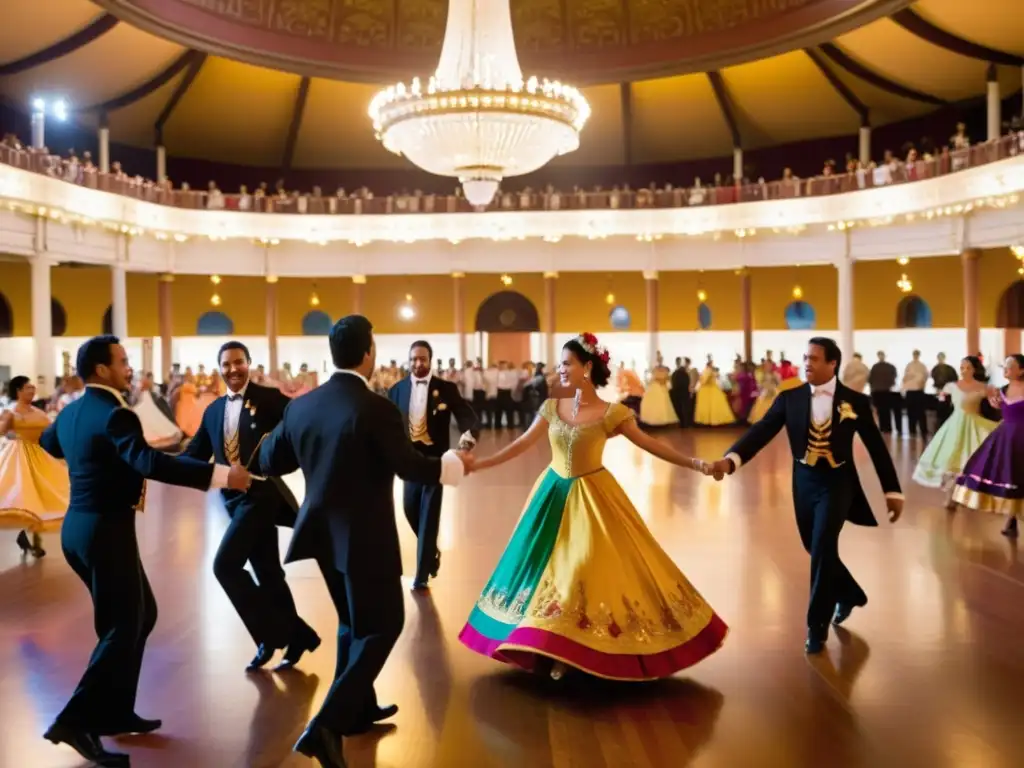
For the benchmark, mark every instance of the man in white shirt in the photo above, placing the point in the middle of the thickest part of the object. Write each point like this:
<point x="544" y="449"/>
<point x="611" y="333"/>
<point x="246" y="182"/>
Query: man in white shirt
<point x="915" y="378"/>
<point x="821" y="419"/>
<point x="490" y="379"/>
<point x="506" y="382"/>
<point x="428" y="403"/>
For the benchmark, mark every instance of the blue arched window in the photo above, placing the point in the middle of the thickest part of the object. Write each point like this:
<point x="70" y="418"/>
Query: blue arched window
<point x="619" y="318"/>
<point x="800" y="316"/>
<point x="913" y="312"/>
<point x="703" y="316"/>
<point x="214" y="324"/>
<point x="316" y="323"/>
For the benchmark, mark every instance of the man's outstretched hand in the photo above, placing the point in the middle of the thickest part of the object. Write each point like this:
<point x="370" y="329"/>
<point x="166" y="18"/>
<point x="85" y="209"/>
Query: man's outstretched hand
<point x="719" y="469"/>
<point x="239" y="478"/>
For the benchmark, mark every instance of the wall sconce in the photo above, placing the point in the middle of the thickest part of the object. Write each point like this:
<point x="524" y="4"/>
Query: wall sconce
<point x="609" y="299"/>
<point x="904" y="283"/>
<point x="215" y="279"/>
<point x="798" y="292"/>
<point x="407" y="311"/>
<point x="506" y="280"/>
<point x="903" y="261"/>
<point x="215" y="300"/>
<point x="314" y="300"/>
<point x="702" y="295"/>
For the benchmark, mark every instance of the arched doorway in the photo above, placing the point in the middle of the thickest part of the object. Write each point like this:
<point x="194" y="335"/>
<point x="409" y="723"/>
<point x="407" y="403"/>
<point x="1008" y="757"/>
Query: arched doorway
<point x="58" y="318"/>
<point x="913" y="312"/>
<point x="508" y="318"/>
<point x="1010" y="317"/>
<point x="6" y="318"/>
<point x="108" y="321"/>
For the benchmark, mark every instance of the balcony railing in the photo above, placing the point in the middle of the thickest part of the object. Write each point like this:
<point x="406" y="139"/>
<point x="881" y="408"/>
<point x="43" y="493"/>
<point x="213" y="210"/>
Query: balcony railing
<point x="895" y="172"/>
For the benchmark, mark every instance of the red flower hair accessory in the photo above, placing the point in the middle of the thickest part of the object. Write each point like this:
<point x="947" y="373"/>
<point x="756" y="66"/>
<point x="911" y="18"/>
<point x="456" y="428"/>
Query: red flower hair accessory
<point x="589" y="342"/>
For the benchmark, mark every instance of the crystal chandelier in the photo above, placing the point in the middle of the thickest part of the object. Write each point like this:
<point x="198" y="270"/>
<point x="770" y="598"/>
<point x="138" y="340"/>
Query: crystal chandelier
<point x="477" y="119"/>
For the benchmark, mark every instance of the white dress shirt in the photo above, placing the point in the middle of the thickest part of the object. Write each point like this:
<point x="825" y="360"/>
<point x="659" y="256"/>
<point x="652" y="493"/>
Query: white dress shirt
<point x="452" y="468"/>
<point x="822" y="398"/>
<point x="915" y="376"/>
<point x="507" y="379"/>
<point x="418" y="398"/>
<point x="233" y="411"/>
<point x="220" y="472"/>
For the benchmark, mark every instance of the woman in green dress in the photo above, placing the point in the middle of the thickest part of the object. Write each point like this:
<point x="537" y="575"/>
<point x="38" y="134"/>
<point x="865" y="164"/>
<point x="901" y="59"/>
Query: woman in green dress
<point x="964" y="431"/>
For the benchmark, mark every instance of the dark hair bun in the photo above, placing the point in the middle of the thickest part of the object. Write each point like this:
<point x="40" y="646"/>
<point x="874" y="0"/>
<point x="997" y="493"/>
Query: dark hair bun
<point x="586" y="348"/>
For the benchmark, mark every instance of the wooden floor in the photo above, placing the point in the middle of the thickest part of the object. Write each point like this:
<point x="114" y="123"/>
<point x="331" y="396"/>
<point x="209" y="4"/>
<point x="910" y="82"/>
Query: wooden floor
<point x="930" y="674"/>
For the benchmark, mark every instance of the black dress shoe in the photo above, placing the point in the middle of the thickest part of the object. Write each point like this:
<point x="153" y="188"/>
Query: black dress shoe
<point x="377" y="715"/>
<point x="263" y="656"/>
<point x="843" y="611"/>
<point x="322" y="745"/>
<point x="816" y="637"/>
<point x="437" y="566"/>
<point x="420" y="586"/>
<point x="87" y="745"/>
<point x="310" y="642"/>
<point x="134" y="725"/>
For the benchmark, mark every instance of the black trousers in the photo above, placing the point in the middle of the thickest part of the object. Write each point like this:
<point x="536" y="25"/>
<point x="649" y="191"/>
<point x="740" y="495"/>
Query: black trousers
<point x="890" y="410"/>
<point x="422" y="505"/>
<point x="371" y="612"/>
<point x="265" y="604"/>
<point x="822" y="498"/>
<point x="917" y="412"/>
<point x="507" y="406"/>
<point x="481" y="406"/>
<point x="102" y="549"/>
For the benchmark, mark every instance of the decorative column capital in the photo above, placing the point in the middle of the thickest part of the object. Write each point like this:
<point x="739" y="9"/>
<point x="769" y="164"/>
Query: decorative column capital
<point x="272" y="279"/>
<point x="743" y="272"/>
<point x="359" y="279"/>
<point x="550" y="275"/>
<point x="458" y="275"/>
<point x="971" y="254"/>
<point x="650" y="274"/>
<point x="166" y="277"/>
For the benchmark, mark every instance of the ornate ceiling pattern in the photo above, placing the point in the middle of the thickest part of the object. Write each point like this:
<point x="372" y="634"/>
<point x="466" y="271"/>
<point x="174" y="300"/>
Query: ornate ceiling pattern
<point x="226" y="109"/>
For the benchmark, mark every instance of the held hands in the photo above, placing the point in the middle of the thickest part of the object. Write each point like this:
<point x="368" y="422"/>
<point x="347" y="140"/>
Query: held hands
<point x="467" y="459"/>
<point x="719" y="469"/>
<point x="895" y="507"/>
<point x="239" y="478"/>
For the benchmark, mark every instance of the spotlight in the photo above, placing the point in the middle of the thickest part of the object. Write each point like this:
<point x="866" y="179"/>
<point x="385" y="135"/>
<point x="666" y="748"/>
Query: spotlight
<point x="60" y="110"/>
<point x="38" y="105"/>
<point x="406" y="312"/>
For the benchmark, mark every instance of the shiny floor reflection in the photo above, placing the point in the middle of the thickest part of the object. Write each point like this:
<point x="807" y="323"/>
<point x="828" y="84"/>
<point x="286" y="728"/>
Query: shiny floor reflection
<point x="931" y="673"/>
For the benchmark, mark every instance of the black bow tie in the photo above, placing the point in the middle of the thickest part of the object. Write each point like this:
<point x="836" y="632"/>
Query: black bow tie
<point x="233" y="398"/>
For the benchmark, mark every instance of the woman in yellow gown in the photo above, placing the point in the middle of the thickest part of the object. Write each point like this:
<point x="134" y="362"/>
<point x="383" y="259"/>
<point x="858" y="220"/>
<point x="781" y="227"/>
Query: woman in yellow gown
<point x="583" y="583"/>
<point x="711" y="407"/>
<point x="34" y="486"/>
<point x="769" y="391"/>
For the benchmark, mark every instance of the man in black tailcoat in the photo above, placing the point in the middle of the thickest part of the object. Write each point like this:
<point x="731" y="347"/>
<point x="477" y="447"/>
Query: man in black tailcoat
<point x="109" y="462"/>
<point x="230" y="433"/>
<point x="428" y="403"/>
<point x="350" y="443"/>
<point x="821" y="419"/>
<point x="682" y="397"/>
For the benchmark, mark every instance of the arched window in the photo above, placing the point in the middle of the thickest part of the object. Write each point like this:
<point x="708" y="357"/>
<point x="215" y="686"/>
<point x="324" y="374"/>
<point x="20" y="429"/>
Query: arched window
<point x="1011" y="307"/>
<point x="316" y="323"/>
<point x="704" y="316"/>
<point x="913" y="312"/>
<point x="507" y="312"/>
<point x="214" y="324"/>
<point x="6" y="318"/>
<point x="108" y="320"/>
<point x="800" y="316"/>
<point x="620" y="319"/>
<point x="58" y="318"/>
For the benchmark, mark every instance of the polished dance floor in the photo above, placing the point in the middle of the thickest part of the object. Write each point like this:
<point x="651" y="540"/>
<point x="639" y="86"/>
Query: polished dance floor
<point x="930" y="674"/>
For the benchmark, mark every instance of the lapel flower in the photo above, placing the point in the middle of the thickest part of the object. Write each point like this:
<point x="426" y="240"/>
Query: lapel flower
<point x="441" y="407"/>
<point x="436" y="394"/>
<point x="846" y="412"/>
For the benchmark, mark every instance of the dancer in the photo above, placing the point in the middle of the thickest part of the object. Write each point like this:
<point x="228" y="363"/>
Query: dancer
<point x="34" y="486"/>
<point x="583" y="583"/>
<point x="232" y="428"/>
<point x="821" y="419"/>
<point x="993" y="478"/>
<point x="711" y="405"/>
<point x="769" y="391"/>
<point x="427" y="403"/>
<point x="161" y="432"/>
<point x="350" y="443"/>
<point x="109" y="463"/>
<point x="961" y="434"/>
<point x="656" y="409"/>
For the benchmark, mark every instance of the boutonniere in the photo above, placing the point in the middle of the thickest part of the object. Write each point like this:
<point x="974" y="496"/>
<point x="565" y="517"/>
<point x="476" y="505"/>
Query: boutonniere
<point x="846" y="412"/>
<point x="250" y="408"/>
<point x="436" y="394"/>
<point x="442" y="407"/>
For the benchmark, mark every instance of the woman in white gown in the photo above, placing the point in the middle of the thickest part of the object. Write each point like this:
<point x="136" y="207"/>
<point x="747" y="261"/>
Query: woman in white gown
<point x="656" y="406"/>
<point x="160" y="432"/>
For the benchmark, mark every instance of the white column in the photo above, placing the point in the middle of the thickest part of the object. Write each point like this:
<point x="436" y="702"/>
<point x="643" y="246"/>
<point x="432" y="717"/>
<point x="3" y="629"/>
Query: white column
<point x="104" y="149"/>
<point x="737" y="164"/>
<point x="865" y="145"/>
<point x="119" y="301"/>
<point x="161" y="162"/>
<point x="38" y="129"/>
<point x="652" y="295"/>
<point x="994" y="107"/>
<point x="845" y="269"/>
<point x="42" y="319"/>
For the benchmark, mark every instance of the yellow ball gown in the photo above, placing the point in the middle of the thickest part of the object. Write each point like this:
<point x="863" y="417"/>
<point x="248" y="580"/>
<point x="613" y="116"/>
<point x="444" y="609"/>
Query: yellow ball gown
<point x="711" y="407"/>
<point x="34" y="486"/>
<point x="583" y="582"/>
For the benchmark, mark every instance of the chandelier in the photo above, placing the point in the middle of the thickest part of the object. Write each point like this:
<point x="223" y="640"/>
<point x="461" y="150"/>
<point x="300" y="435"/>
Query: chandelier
<point x="476" y="119"/>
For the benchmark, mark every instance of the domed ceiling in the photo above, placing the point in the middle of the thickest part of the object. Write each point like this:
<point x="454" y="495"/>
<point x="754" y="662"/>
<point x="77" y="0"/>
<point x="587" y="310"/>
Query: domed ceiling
<point x="210" y="101"/>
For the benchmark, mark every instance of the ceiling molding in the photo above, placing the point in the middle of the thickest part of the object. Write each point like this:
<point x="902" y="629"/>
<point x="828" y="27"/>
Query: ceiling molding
<point x="858" y="106"/>
<point x="924" y="29"/>
<point x="157" y="81"/>
<point x="855" y="68"/>
<point x="301" y="94"/>
<point x="725" y="104"/>
<point x="196" y="64"/>
<point x="61" y="48"/>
